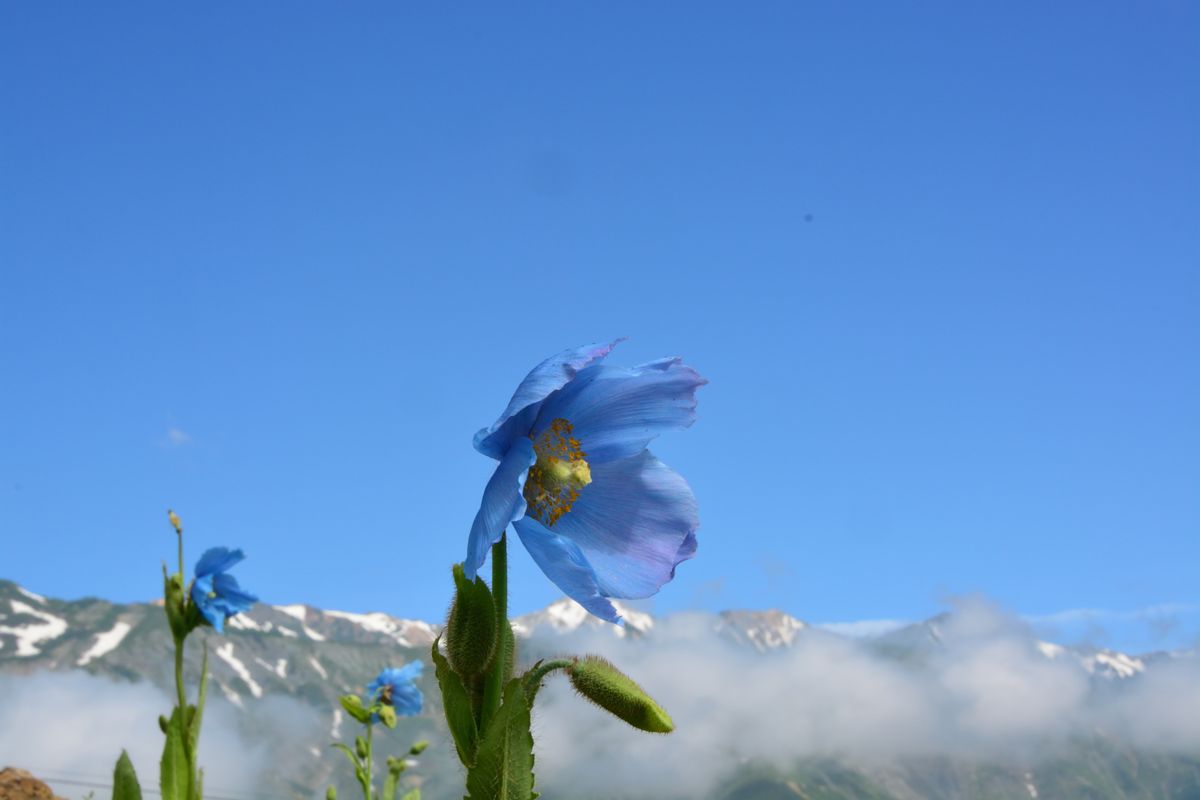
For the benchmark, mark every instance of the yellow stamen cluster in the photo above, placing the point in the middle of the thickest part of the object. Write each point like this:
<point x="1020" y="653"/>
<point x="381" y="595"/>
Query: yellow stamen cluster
<point x="560" y="473"/>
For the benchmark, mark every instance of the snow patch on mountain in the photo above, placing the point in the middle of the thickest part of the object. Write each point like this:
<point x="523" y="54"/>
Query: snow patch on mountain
<point x="30" y="636"/>
<point x="566" y="616"/>
<point x="105" y="643"/>
<point x="763" y="630"/>
<point x="300" y="614"/>
<point x="320" y="669"/>
<point x="225" y="653"/>
<point x="34" y="596"/>
<point x="405" y="632"/>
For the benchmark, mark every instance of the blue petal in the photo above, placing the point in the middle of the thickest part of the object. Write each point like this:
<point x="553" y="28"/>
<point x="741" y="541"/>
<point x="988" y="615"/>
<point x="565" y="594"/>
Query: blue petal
<point x="407" y="699"/>
<point x="236" y="598"/>
<point x="410" y="671"/>
<point x="547" y="377"/>
<point x="564" y="564"/>
<point x="502" y="503"/>
<point x="634" y="523"/>
<point x="209" y="608"/>
<point x="616" y="411"/>
<point x="216" y="560"/>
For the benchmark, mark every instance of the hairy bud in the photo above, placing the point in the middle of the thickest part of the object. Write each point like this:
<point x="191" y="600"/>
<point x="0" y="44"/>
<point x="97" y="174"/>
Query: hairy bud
<point x="608" y="687"/>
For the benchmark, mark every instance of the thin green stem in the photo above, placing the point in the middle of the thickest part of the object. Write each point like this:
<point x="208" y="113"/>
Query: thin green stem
<point x="370" y="748"/>
<point x="494" y="688"/>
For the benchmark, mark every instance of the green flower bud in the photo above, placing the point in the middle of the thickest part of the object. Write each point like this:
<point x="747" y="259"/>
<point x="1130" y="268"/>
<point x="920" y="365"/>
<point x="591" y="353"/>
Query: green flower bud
<point x="360" y="747"/>
<point x="471" y="627"/>
<point x="331" y="793"/>
<point x="606" y="686"/>
<point x="175" y="604"/>
<point x="418" y="748"/>
<point x="387" y="715"/>
<point x="173" y="518"/>
<point x="354" y="707"/>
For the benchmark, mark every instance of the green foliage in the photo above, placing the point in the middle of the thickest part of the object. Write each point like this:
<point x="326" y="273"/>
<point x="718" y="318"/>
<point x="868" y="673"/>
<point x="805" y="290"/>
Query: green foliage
<point x="175" y="605"/>
<point x="460" y="714"/>
<point x="471" y="629"/>
<point x="355" y="708"/>
<point x="503" y="768"/>
<point x="387" y="714"/>
<point x="125" y="780"/>
<point x="606" y="686"/>
<point x="196" y="712"/>
<point x="174" y="770"/>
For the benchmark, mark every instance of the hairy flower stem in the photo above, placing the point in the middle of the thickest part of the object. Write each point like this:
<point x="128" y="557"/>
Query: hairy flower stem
<point x="370" y="748"/>
<point x="495" y="679"/>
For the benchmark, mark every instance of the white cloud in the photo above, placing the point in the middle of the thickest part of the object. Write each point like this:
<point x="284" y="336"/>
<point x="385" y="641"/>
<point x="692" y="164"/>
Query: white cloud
<point x="176" y="437"/>
<point x="986" y="692"/>
<point x="866" y="628"/>
<point x="74" y="725"/>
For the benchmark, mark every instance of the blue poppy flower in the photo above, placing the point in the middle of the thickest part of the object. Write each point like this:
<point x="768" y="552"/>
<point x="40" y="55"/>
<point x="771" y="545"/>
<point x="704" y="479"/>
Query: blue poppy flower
<point x="397" y="688"/>
<point x="600" y="515"/>
<point x="215" y="593"/>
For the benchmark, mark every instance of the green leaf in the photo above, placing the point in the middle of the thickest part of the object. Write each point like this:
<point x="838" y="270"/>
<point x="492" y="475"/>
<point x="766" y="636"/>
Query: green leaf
<point x="615" y="692"/>
<point x="198" y="789"/>
<point x="125" y="780"/>
<point x="503" y="767"/>
<point x="349" y="754"/>
<point x="193" y="732"/>
<point x="389" y="784"/>
<point x="460" y="716"/>
<point x="354" y="707"/>
<point x="174" y="773"/>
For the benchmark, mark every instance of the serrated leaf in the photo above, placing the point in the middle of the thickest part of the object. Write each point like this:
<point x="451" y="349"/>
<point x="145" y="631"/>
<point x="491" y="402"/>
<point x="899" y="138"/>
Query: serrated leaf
<point x="503" y="767"/>
<point x="456" y="703"/>
<point x="354" y="707"/>
<point x="173" y="774"/>
<point x="125" y="780"/>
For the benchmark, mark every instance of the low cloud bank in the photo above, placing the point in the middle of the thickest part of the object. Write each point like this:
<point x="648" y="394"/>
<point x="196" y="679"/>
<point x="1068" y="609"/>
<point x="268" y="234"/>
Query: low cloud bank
<point x="986" y="693"/>
<point x="73" y="726"/>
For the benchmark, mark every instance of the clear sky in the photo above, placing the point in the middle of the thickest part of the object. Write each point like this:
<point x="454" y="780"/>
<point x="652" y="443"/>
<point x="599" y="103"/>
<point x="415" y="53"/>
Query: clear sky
<point x="273" y="263"/>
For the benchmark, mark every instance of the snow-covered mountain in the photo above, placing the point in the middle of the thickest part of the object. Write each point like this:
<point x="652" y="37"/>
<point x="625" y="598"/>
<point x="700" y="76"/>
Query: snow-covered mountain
<point x="312" y="656"/>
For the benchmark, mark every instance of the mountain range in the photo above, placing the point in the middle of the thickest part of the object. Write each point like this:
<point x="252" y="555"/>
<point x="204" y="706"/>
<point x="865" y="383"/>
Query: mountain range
<point x="312" y="656"/>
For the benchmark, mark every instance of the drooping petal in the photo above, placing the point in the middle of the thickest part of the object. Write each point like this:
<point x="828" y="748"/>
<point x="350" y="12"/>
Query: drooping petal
<point x="634" y="524"/>
<point x="236" y="599"/>
<point x="216" y="560"/>
<point x="564" y="563"/>
<point x="616" y="411"/>
<point x="501" y="504"/>
<point x="547" y="377"/>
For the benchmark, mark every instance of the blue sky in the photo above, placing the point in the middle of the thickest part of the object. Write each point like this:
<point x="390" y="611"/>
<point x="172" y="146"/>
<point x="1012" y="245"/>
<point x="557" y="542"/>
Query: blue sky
<point x="273" y="264"/>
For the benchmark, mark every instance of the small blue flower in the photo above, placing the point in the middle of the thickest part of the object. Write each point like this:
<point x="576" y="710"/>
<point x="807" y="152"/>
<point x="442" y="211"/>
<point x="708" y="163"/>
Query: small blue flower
<point x="216" y="594"/>
<point x="600" y="515"/>
<point x="397" y="688"/>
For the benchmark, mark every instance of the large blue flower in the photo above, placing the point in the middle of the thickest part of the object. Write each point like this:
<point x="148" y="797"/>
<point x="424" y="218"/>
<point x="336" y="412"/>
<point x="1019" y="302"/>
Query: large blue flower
<point x="397" y="688"/>
<point x="216" y="593"/>
<point x="600" y="515"/>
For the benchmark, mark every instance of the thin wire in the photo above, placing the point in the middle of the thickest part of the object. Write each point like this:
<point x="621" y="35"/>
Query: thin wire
<point x="148" y="789"/>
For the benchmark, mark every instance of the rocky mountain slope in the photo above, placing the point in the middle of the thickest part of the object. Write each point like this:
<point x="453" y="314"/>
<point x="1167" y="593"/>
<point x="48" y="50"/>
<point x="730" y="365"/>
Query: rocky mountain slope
<point x="312" y="656"/>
